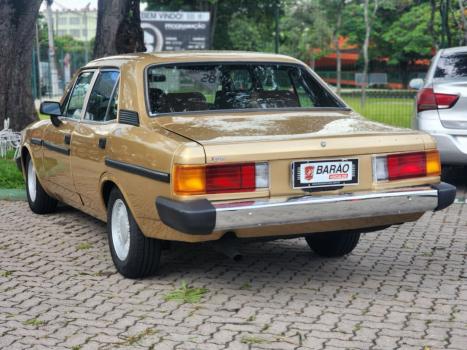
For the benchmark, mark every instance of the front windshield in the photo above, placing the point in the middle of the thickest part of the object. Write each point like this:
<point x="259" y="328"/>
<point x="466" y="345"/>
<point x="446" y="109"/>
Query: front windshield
<point x="233" y="86"/>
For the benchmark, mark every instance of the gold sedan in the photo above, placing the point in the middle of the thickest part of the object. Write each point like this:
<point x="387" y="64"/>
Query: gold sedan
<point x="214" y="146"/>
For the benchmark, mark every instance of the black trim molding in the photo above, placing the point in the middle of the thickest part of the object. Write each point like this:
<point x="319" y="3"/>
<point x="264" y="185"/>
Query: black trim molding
<point x="36" y="141"/>
<point x="55" y="148"/>
<point x="138" y="170"/>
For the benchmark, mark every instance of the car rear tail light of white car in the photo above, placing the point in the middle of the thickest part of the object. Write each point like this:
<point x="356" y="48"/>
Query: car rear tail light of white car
<point x="427" y="99"/>
<point x="406" y="165"/>
<point x="220" y="178"/>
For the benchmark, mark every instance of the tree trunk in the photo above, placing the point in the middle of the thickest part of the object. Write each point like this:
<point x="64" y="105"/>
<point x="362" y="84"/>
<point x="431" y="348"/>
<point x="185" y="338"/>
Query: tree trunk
<point x="213" y="23"/>
<point x="446" y="39"/>
<point x="448" y="29"/>
<point x="368" y="22"/>
<point x="431" y="24"/>
<point x="366" y="43"/>
<point x="17" y="31"/>
<point x="464" y="21"/>
<point x="338" y="49"/>
<point x="118" y="28"/>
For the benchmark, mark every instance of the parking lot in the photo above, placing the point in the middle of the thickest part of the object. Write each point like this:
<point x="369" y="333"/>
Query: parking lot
<point x="402" y="288"/>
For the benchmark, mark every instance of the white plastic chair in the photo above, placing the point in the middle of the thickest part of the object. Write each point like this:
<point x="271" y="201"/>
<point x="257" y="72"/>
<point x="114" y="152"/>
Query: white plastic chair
<point x="9" y="140"/>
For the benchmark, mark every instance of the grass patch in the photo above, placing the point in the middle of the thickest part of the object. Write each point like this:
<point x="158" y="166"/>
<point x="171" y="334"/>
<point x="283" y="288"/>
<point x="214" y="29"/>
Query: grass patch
<point x="133" y="339"/>
<point x="393" y="111"/>
<point x="186" y="294"/>
<point x="5" y="273"/>
<point x="34" y="322"/>
<point x="245" y="286"/>
<point x="10" y="176"/>
<point x="84" y="246"/>
<point x="250" y="340"/>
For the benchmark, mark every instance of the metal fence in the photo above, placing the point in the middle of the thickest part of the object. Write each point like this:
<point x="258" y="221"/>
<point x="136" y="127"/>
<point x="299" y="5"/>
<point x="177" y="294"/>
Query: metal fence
<point x="394" y="107"/>
<point x="68" y="62"/>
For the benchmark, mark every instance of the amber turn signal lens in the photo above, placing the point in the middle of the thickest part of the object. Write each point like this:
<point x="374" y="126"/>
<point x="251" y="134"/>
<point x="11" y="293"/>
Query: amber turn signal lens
<point x="189" y="179"/>
<point x="433" y="164"/>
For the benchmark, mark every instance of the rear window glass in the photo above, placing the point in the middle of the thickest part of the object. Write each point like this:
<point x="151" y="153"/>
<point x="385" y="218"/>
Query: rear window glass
<point x="229" y="86"/>
<point x="454" y="66"/>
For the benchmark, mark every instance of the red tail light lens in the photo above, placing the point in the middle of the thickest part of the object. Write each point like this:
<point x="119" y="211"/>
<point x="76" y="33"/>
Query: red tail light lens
<point x="408" y="165"/>
<point x="220" y="178"/>
<point x="230" y="178"/>
<point x="445" y="101"/>
<point x="427" y="99"/>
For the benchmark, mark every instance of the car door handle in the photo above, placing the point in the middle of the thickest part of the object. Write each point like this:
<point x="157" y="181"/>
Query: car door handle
<point x="102" y="142"/>
<point x="67" y="139"/>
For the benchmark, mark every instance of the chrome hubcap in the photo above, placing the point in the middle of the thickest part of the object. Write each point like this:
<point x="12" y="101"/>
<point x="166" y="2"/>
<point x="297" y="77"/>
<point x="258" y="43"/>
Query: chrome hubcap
<point x="120" y="227"/>
<point x="31" y="181"/>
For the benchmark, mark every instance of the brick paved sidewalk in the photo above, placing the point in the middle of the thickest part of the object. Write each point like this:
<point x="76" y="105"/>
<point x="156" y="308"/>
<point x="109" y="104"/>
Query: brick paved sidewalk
<point x="403" y="288"/>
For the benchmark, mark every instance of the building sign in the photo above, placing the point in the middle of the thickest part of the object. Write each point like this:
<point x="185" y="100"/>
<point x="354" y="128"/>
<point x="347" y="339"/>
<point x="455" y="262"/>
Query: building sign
<point x="173" y="31"/>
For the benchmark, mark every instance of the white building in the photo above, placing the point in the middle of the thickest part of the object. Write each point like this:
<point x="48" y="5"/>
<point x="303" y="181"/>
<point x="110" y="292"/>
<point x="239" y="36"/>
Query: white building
<point x="79" y="24"/>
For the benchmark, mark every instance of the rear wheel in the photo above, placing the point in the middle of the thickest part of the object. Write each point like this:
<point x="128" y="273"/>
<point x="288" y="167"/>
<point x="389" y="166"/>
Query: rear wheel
<point x="39" y="201"/>
<point x="333" y="244"/>
<point x="134" y="255"/>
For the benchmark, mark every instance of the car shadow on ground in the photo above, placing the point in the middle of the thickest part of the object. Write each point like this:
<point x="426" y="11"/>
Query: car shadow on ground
<point x="456" y="175"/>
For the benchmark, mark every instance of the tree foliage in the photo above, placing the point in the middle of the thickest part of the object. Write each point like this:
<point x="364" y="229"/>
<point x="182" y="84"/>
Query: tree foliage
<point x="238" y="24"/>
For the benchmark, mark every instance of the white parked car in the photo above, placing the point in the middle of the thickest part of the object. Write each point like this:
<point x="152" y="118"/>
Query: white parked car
<point x="442" y="104"/>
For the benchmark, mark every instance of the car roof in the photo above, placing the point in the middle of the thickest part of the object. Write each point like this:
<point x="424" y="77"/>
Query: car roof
<point x="454" y="50"/>
<point x="189" y="56"/>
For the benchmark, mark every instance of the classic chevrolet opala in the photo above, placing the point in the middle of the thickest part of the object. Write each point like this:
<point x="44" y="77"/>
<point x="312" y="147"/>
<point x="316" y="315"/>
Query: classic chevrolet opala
<point x="199" y="146"/>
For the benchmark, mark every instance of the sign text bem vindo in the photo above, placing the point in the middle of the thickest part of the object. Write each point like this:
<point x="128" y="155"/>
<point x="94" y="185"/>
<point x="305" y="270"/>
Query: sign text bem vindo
<point x="174" y="31"/>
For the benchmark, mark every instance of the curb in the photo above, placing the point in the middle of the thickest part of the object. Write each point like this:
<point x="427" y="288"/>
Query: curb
<point x="17" y="194"/>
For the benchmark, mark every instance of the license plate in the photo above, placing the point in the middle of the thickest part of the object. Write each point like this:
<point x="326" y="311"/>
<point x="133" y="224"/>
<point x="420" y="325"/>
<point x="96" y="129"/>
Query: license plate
<point x="324" y="173"/>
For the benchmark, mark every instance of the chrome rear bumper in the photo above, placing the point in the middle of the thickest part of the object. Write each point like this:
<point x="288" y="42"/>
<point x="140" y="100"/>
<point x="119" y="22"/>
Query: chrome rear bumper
<point x="204" y="217"/>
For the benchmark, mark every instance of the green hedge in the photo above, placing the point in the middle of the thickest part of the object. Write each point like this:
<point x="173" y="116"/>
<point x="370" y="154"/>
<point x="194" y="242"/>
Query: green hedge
<point x="10" y="176"/>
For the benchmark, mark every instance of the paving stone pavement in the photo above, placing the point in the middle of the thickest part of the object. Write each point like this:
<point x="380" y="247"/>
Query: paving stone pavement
<point x="402" y="288"/>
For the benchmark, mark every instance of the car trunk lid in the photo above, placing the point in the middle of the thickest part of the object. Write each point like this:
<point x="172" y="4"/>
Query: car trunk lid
<point x="282" y="138"/>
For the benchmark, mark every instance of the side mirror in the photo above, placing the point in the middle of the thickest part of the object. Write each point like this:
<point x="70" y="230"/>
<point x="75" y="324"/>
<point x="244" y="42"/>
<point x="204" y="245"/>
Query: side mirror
<point x="52" y="108"/>
<point x="416" y="84"/>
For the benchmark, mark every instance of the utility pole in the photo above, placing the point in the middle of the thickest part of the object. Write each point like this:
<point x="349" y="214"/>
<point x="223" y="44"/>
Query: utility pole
<point x="39" y="67"/>
<point x="52" y="66"/>
<point x="86" y="42"/>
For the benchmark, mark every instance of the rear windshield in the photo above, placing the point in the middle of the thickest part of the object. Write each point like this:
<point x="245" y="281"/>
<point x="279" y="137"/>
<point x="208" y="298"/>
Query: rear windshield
<point x="229" y="86"/>
<point x="454" y="66"/>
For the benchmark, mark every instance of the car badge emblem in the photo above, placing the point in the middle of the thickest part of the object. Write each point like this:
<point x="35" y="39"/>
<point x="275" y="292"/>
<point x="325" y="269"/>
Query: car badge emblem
<point x="323" y="143"/>
<point x="309" y="170"/>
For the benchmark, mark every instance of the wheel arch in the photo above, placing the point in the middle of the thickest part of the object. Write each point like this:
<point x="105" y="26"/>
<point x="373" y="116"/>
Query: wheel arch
<point x="107" y="183"/>
<point x="25" y="151"/>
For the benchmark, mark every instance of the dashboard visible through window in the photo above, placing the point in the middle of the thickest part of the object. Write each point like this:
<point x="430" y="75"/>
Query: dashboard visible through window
<point x="233" y="86"/>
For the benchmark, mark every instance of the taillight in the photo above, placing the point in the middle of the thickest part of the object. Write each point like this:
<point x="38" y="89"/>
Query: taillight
<point x="407" y="165"/>
<point x="427" y="99"/>
<point x="404" y="166"/>
<point x="220" y="178"/>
